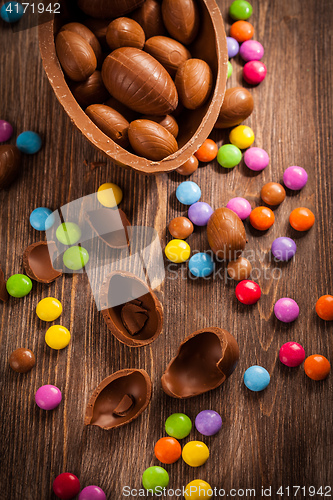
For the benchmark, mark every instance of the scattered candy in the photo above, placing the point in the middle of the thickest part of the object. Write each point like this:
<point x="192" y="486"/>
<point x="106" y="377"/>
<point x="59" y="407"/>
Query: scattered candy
<point x="22" y="360"/>
<point x="201" y="265"/>
<point x="208" y="422"/>
<point x="68" y="233"/>
<point x="240" y="10"/>
<point x="273" y="193"/>
<point x="301" y="219"/>
<point x="262" y="218"/>
<point x="256" y="378"/>
<point x="92" y="493"/>
<point x="241" y="31"/>
<point x="254" y="72"/>
<point x="207" y="152"/>
<point x="229" y="69"/>
<point x="109" y="195"/>
<point x="155" y="477"/>
<point x="242" y="136"/>
<point x="229" y="156"/>
<point x="41" y="219"/>
<point x="195" y="453"/>
<point x="178" y="425"/>
<point x="180" y="228"/>
<point x="49" y="309"/>
<point x="295" y="177"/>
<point x="18" y="285"/>
<point x="324" y="307"/>
<point x="198" y="490"/>
<point x="48" y="397"/>
<point x="199" y="213"/>
<point x="239" y="269"/>
<point x="256" y="159"/>
<point x="251" y="50"/>
<point x="66" y="486"/>
<point x="240" y="206"/>
<point x="188" y="192"/>
<point x="75" y="258"/>
<point x="177" y="251"/>
<point x="168" y="450"/>
<point x="286" y="310"/>
<point x="6" y="131"/>
<point x="29" y="142"/>
<point x="57" y="337"/>
<point x="189" y="166"/>
<point x="317" y="367"/>
<point x="11" y="12"/>
<point x="283" y="248"/>
<point x="291" y="354"/>
<point x="233" y="46"/>
<point x="248" y="292"/>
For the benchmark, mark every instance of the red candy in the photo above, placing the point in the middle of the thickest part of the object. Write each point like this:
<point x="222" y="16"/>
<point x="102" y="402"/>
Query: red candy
<point x="66" y="486"/>
<point x="248" y="292"/>
<point x="291" y="354"/>
<point x="254" y="72"/>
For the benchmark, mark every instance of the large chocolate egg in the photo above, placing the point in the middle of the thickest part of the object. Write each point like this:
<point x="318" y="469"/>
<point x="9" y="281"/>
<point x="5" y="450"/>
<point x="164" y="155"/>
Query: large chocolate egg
<point x="88" y="35"/>
<point x="237" y="106"/>
<point x="125" y="32"/>
<point x="181" y="18"/>
<point x="101" y="9"/>
<point x="76" y="56"/>
<point x="226" y="234"/>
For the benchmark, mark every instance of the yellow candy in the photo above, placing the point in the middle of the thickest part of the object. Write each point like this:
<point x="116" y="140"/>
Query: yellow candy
<point x="57" y="337"/>
<point x="198" y="490"/>
<point x="49" y="309"/>
<point x="195" y="453"/>
<point x="241" y="136"/>
<point x="109" y="195"/>
<point x="177" y="251"/>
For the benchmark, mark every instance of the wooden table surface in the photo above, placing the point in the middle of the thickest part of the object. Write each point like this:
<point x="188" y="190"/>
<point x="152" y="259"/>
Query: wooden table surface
<point x="280" y="437"/>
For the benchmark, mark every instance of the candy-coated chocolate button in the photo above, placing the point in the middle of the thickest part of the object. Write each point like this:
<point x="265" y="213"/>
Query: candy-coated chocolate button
<point x="18" y="285"/>
<point x="239" y="269"/>
<point x="41" y="219"/>
<point x="317" y="367"/>
<point x="229" y="69"/>
<point x="256" y="159"/>
<point x="240" y="10"/>
<point x="11" y="12"/>
<point x="75" y="258"/>
<point x="208" y="422"/>
<point x="295" y="177"/>
<point x="242" y="136"/>
<point x="201" y="265"/>
<point x="48" y="397"/>
<point x="254" y="72"/>
<point x="49" y="309"/>
<point x="68" y="233"/>
<point x="207" y="152"/>
<point x="57" y="337"/>
<point x="109" y="195"/>
<point x="241" y="31"/>
<point x="262" y="218"/>
<point x="167" y="450"/>
<point x="155" y="477"/>
<point x="178" y="425"/>
<point x="180" y="228"/>
<point x="195" y="453"/>
<point x="29" y="142"/>
<point x="188" y="192"/>
<point x="22" y="360"/>
<point x="301" y="219"/>
<point x="251" y="50"/>
<point x="291" y="354"/>
<point x="199" y="213"/>
<point x="283" y="248"/>
<point x="66" y="486"/>
<point x="233" y="46"/>
<point x="256" y="378"/>
<point x="240" y="206"/>
<point x="273" y="193"/>
<point x="6" y="131"/>
<point x="286" y="309"/>
<point x="229" y="156"/>
<point x="248" y="292"/>
<point x="324" y="307"/>
<point x="177" y="251"/>
<point x="198" y="490"/>
<point x="92" y="492"/>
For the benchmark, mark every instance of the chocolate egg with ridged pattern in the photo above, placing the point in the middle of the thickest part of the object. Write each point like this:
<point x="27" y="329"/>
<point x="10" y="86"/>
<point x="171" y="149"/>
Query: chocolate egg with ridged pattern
<point x="226" y="234"/>
<point x="150" y="140"/>
<point x="76" y="56"/>
<point x="237" y="106"/>
<point x="194" y="82"/>
<point x="181" y="19"/>
<point x="149" y="16"/>
<point x="112" y="123"/>
<point x="170" y="53"/>
<point x="125" y="32"/>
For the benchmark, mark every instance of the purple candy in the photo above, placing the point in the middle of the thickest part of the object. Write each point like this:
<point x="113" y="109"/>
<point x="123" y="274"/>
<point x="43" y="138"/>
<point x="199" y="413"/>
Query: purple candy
<point x="6" y="131"/>
<point x="256" y="159"/>
<point x="48" y="397"/>
<point x="199" y="213"/>
<point x="283" y="248"/>
<point x="92" y="493"/>
<point x="291" y="354"/>
<point x="233" y="46"/>
<point x="208" y="422"/>
<point x="286" y="310"/>
<point x="295" y="177"/>
<point x="240" y="206"/>
<point x="251" y="50"/>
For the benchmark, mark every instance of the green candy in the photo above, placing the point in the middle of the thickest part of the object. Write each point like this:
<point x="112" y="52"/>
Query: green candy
<point x="75" y="258"/>
<point x="68" y="233"/>
<point x="18" y="285"/>
<point x="155" y="477"/>
<point x="240" y="10"/>
<point x="229" y="156"/>
<point x="229" y="69"/>
<point x="178" y="425"/>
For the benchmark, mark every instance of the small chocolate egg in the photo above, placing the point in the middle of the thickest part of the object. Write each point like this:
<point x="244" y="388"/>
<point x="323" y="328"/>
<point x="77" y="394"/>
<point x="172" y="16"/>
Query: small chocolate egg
<point x="88" y="35"/>
<point x="150" y="140"/>
<point x="239" y="269"/>
<point x="101" y="9"/>
<point x="149" y="16"/>
<point x="226" y="234"/>
<point x="125" y="32"/>
<point x="194" y="82"/>
<point x="180" y="228"/>
<point x="181" y="19"/>
<point x="10" y="163"/>
<point x="91" y="91"/>
<point x="170" y="53"/>
<point x="167" y="121"/>
<point x="237" y="106"/>
<point x="112" y="123"/>
<point x="76" y="56"/>
<point x="273" y="193"/>
<point x="189" y="166"/>
<point x="22" y="360"/>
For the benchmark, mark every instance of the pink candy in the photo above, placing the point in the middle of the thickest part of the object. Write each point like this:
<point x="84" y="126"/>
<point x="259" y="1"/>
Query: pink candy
<point x="256" y="159"/>
<point x="240" y="206"/>
<point x="254" y="72"/>
<point x="291" y="354"/>
<point x="251" y="50"/>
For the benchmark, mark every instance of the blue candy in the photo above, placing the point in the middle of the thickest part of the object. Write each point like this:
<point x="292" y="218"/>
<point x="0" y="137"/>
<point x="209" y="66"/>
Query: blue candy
<point x="11" y="12"/>
<point x="201" y="265"/>
<point x="256" y="378"/>
<point x="40" y="218"/>
<point x="29" y="142"/>
<point x="188" y="192"/>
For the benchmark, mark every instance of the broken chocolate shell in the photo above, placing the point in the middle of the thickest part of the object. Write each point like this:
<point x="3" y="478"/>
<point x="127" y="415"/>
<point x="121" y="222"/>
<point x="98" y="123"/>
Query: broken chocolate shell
<point x="122" y="320"/>
<point x="111" y="226"/>
<point x="119" y="399"/>
<point x="203" y="362"/>
<point x="37" y="262"/>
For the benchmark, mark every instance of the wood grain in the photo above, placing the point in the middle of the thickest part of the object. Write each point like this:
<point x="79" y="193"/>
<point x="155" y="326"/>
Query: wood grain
<point x="282" y="436"/>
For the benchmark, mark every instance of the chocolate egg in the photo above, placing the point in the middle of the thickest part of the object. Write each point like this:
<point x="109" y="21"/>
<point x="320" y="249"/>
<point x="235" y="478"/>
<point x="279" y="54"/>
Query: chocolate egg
<point x="127" y="290"/>
<point x="239" y="269"/>
<point x="37" y="262"/>
<point x="76" y="56"/>
<point x="150" y="140"/>
<point x="112" y="123"/>
<point x="3" y="290"/>
<point x="181" y="19"/>
<point x="88" y="35"/>
<point x="10" y="163"/>
<point x="119" y="399"/>
<point x="226" y="234"/>
<point x="149" y="16"/>
<point x="170" y="53"/>
<point x="237" y="106"/>
<point x="91" y="91"/>
<point x="108" y="8"/>
<point x="111" y="226"/>
<point x="167" y="121"/>
<point x="125" y="32"/>
<point x="203" y="362"/>
<point x="140" y="82"/>
<point x="99" y="27"/>
<point x="194" y="82"/>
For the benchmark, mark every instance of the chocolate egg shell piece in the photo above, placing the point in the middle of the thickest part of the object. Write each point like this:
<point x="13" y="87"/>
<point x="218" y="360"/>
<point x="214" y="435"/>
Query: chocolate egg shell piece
<point x="194" y="83"/>
<point x="3" y="290"/>
<point x="125" y="32"/>
<point x="108" y="8"/>
<point x="203" y="362"/>
<point x="111" y="226"/>
<point x="119" y="399"/>
<point x="181" y="18"/>
<point x="133" y="291"/>
<point x="237" y="106"/>
<point x="88" y="35"/>
<point x="76" y="56"/>
<point x="91" y="91"/>
<point x="226" y="234"/>
<point x="37" y="262"/>
<point x="149" y="16"/>
<point x="170" y="53"/>
<point x="112" y="123"/>
<point x="167" y="121"/>
<point x="150" y="140"/>
<point x="10" y="163"/>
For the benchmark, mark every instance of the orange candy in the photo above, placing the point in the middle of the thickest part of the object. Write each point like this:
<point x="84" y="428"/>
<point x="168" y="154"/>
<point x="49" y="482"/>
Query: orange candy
<point x="324" y="307"/>
<point x="262" y="218"/>
<point x="301" y="219"/>
<point x="241" y="31"/>
<point x="207" y="152"/>
<point x="317" y="367"/>
<point x="168" y="450"/>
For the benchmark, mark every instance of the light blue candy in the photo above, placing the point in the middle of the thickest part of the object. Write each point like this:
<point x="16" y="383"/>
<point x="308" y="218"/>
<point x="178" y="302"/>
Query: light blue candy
<point x="41" y="218"/>
<point x="256" y="378"/>
<point x="29" y="142"/>
<point x="201" y="265"/>
<point x="188" y="192"/>
<point x="11" y="12"/>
